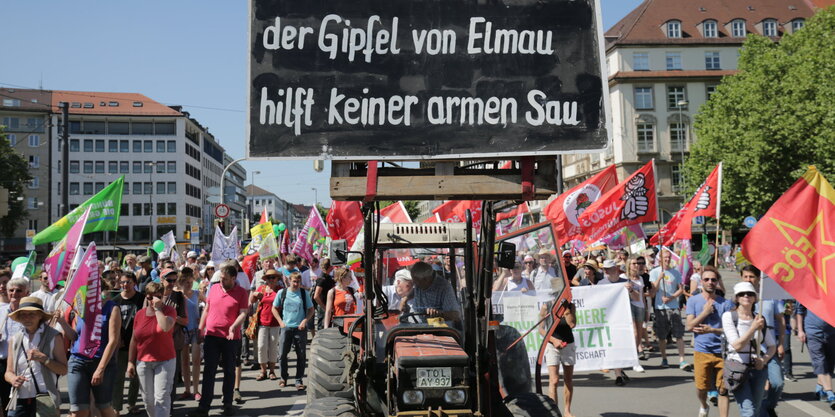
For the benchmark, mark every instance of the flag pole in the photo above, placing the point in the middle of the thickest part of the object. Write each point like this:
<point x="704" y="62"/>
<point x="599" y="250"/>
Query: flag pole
<point x="718" y="210"/>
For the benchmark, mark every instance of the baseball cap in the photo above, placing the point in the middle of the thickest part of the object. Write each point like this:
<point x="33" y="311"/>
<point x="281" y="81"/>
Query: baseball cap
<point x="741" y="287"/>
<point x="403" y="275"/>
<point x="609" y="263"/>
<point x="166" y="272"/>
<point x="191" y="254"/>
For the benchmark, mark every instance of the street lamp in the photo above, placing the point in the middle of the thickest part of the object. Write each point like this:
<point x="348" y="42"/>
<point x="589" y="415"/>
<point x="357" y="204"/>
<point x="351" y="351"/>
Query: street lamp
<point x="681" y="104"/>
<point x="151" y="204"/>
<point x="251" y="199"/>
<point x="223" y="190"/>
<point x="315" y="197"/>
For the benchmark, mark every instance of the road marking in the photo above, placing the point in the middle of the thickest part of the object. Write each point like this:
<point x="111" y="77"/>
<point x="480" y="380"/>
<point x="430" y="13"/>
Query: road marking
<point x="807" y="408"/>
<point x="297" y="409"/>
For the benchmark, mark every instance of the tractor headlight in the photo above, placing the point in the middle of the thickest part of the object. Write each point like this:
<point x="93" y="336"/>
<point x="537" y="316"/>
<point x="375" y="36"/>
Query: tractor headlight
<point x="455" y="396"/>
<point x="413" y="397"/>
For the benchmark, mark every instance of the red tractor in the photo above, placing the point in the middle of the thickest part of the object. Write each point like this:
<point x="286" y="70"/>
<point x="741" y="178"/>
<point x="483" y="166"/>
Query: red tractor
<point x="388" y="363"/>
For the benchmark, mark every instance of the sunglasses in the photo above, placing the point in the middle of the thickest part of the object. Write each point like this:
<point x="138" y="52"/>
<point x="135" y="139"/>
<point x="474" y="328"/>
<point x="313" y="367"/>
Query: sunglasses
<point x="747" y="294"/>
<point x="171" y="280"/>
<point x="710" y="280"/>
<point x="15" y="290"/>
<point x="271" y="277"/>
<point x="529" y="262"/>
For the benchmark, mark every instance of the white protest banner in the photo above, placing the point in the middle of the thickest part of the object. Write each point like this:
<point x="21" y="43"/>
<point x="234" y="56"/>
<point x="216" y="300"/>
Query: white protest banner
<point x="225" y="247"/>
<point x="603" y="335"/>
<point x="521" y="311"/>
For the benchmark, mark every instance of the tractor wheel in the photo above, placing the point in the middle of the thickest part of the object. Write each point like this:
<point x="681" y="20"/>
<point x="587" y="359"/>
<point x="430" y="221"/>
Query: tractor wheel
<point x="331" y="407"/>
<point x="327" y="365"/>
<point x="532" y="404"/>
<point x="514" y="368"/>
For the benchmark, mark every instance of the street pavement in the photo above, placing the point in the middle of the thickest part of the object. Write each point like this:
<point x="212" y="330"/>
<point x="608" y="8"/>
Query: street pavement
<point x="655" y="393"/>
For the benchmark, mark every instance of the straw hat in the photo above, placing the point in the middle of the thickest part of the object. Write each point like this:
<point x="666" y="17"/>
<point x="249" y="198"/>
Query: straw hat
<point x="591" y="263"/>
<point x="30" y="304"/>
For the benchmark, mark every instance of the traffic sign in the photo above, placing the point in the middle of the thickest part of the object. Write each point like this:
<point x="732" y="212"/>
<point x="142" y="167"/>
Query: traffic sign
<point x="221" y="210"/>
<point x="699" y="220"/>
<point x="750" y="221"/>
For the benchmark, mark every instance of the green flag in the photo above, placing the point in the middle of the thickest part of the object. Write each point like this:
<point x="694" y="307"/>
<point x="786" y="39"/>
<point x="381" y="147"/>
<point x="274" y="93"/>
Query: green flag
<point x="104" y="214"/>
<point x="704" y="254"/>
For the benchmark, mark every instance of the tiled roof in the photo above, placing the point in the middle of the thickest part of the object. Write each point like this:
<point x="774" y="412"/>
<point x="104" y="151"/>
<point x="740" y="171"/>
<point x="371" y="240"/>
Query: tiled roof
<point x="621" y="75"/>
<point x="821" y="4"/>
<point x="646" y="23"/>
<point x="107" y="103"/>
<point x="25" y="99"/>
<point x="254" y="190"/>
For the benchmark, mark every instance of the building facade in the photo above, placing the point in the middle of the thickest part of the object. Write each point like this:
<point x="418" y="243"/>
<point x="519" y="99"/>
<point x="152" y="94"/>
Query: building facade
<point x="664" y="61"/>
<point x="277" y="209"/>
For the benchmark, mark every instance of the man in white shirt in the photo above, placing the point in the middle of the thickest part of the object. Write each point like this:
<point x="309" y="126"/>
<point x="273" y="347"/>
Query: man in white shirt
<point x="45" y="294"/>
<point x="310" y="275"/>
<point x="400" y="294"/>
<point x="542" y="275"/>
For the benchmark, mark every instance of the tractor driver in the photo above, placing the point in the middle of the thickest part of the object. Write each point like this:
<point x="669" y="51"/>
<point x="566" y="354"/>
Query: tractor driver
<point x="433" y="294"/>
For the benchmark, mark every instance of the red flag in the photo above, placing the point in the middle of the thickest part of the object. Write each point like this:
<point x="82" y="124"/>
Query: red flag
<point x="668" y="230"/>
<point x="630" y="202"/>
<point x="248" y="264"/>
<point x="454" y="211"/>
<point x="567" y="208"/>
<point x="344" y="220"/>
<point x="263" y="216"/>
<point x="794" y="243"/>
<point x="518" y="211"/>
<point x="395" y="213"/>
<point x="284" y="245"/>
<point x="433" y="219"/>
<point x="705" y="202"/>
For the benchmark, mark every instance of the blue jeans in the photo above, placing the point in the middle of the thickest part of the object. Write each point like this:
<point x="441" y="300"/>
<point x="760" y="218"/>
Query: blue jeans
<point x="749" y="396"/>
<point x="79" y="374"/>
<point x="25" y="408"/>
<point x="223" y="352"/>
<point x="774" y="372"/>
<point x="289" y="337"/>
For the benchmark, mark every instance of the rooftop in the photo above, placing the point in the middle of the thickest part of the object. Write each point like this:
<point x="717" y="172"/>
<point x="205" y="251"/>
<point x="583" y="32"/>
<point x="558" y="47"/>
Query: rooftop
<point x="108" y="103"/>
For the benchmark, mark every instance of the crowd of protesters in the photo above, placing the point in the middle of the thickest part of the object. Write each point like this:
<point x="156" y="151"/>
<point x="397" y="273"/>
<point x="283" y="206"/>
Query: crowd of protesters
<point x="164" y="319"/>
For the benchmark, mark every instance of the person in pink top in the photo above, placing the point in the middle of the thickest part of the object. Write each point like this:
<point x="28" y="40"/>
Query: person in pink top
<point x="153" y="348"/>
<point x="221" y="322"/>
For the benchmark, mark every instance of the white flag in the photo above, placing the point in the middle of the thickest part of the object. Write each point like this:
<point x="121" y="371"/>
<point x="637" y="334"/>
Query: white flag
<point x="225" y="247"/>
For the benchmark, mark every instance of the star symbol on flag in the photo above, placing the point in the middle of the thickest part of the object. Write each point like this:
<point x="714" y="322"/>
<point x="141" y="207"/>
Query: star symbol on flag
<point x="811" y="249"/>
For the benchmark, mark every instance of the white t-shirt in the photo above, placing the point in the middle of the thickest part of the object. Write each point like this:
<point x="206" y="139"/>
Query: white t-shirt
<point x="309" y="277"/>
<point x="541" y="278"/>
<point x="637" y="290"/>
<point x="521" y="285"/>
<point x="732" y="334"/>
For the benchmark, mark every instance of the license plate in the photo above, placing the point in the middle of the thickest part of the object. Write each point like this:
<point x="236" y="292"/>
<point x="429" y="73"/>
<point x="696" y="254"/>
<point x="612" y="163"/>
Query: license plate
<point x="434" y="377"/>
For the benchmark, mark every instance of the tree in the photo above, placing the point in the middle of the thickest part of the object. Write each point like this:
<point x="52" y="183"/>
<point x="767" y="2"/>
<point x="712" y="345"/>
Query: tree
<point x="14" y="172"/>
<point x="771" y="120"/>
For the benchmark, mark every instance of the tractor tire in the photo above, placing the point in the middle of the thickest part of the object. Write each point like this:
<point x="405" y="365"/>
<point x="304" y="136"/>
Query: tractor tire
<point x="514" y="368"/>
<point x="327" y="366"/>
<point x="331" y="407"/>
<point x="532" y="405"/>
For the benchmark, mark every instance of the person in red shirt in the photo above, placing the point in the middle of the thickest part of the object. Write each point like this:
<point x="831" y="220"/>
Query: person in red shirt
<point x="221" y="323"/>
<point x="153" y="348"/>
<point x="269" y="328"/>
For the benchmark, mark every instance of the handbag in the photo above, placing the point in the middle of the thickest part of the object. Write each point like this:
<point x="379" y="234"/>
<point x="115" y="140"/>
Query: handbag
<point x="735" y="374"/>
<point x="251" y="331"/>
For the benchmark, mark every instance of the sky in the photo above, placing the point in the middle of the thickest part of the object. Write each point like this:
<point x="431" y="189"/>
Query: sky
<point x="185" y="52"/>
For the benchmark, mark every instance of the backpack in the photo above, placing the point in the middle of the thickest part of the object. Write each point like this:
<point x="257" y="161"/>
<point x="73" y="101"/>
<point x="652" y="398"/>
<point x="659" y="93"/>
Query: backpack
<point x="281" y="299"/>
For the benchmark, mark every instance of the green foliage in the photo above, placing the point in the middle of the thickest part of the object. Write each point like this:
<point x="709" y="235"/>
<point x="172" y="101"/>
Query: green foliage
<point x="14" y="172"/>
<point x="322" y="210"/>
<point x="770" y="121"/>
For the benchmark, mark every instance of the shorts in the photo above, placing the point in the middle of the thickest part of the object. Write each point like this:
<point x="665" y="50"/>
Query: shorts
<point x="707" y="370"/>
<point x="821" y="351"/>
<point x="566" y="356"/>
<point x="79" y="374"/>
<point x="637" y="313"/>
<point x="190" y="336"/>
<point x="668" y="322"/>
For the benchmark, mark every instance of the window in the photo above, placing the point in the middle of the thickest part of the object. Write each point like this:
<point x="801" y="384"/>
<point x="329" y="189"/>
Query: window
<point x="674" y="29"/>
<point x="112" y="167"/>
<point x="123" y="210"/>
<point x="160" y="188"/>
<point x="172" y="188"/>
<point x="137" y="146"/>
<point x="172" y="209"/>
<point x="678" y="136"/>
<point x="75" y="126"/>
<point x="33" y="224"/>
<point x="143" y="128"/>
<point x="148" y="167"/>
<point x="74" y="188"/>
<point x="160" y="167"/>
<point x="148" y="188"/>
<point x="160" y="146"/>
<point x="640" y="61"/>
<point x="126" y="188"/>
<point x="137" y="188"/>
<point x="99" y="145"/>
<point x="32" y="203"/>
<point x="149" y="146"/>
<point x="113" y="146"/>
<point x="12" y="139"/>
<point x="74" y="167"/>
<point x="11" y="102"/>
<point x="738" y="28"/>
<point x="160" y="209"/>
<point x="676" y="179"/>
<point x="34" y="183"/>
<point x="167" y="128"/>
<point x="137" y="209"/>
<point x="675" y="94"/>
<point x="118" y="128"/>
<point x="172" y="146"/>
<point x="93" y="128"/>
<point x="141" y="233"/>
<point x="124" y="146"/>
<point x="137" y="167"/>
<point x="797" y="24"/>
<point x="88" y="188"/>
<point x="88" y="145"/>
<point x="34" y="141"/>
<point x="643" y="97"/>
<point x="146" y="209"/>
<point x="74" y="145"/>
<point x="712" y="61"/>
<point x="172" y="167"/>
<point x="99" y="167"/>
<point x="709" y="90"/>
<point x="34" y="161"/>
<point x="88" y="167"/>
<point x="673" y="61"/>
<point x="710" y="29"/>
<point x="770" y="27"/>
<point x="11" y="123"/>
<point x="124" y="167"/>
<point x="99" y="186"/>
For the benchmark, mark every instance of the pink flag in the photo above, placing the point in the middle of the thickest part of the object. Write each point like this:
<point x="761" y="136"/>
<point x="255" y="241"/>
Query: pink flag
<point x="83" y="291"/>
<point x="57" y="263"/>
<point x="313" y="230"/>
